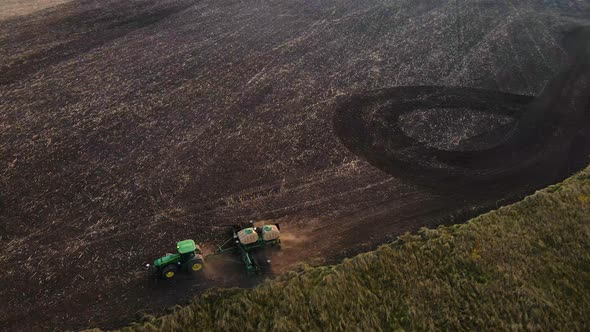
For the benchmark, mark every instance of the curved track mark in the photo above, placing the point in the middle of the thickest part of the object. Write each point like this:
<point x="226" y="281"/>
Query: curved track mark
<point x="548" y="141"/>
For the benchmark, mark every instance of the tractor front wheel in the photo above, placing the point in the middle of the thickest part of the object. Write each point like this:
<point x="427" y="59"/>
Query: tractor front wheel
<point x="195" y="265"/>
<point x="169" y="271"/>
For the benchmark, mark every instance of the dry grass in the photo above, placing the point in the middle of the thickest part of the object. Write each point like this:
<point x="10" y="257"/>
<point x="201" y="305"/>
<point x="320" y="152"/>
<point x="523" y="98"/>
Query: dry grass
<point x="522" y="267"/>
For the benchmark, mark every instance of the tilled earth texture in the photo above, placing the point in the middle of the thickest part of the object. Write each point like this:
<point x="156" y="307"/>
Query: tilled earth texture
<point x="126" y="126"/>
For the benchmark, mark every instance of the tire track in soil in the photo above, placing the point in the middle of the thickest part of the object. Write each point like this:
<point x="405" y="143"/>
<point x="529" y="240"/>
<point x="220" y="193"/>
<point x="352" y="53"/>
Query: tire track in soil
<point x="369" y="125"/>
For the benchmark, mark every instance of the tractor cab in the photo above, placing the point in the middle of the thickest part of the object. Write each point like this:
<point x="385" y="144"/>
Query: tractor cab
<point x="188" y="249"/>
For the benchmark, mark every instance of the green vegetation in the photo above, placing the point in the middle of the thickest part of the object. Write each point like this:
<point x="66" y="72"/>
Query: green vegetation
<point x="525" y="266"/>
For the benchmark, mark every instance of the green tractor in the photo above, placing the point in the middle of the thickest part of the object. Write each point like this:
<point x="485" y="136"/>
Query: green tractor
<point x="250" y="244"/>
<point x="188" y="259"/>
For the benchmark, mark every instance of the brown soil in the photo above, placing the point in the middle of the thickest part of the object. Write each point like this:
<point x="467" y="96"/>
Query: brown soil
<point x="126" y="126"/>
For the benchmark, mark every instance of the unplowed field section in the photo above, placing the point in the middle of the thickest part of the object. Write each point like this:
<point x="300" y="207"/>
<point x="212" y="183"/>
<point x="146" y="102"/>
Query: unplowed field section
<point x="126" y="126"/>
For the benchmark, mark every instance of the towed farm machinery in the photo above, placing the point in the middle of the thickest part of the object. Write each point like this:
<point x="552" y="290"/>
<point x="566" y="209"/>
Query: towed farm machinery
<point x="249" y="243"/>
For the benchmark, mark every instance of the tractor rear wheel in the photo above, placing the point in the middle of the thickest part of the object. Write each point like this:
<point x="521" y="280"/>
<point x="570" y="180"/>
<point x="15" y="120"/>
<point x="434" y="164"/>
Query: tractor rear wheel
<point x="153" y="275"/>
<point x="169" y="271"/>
